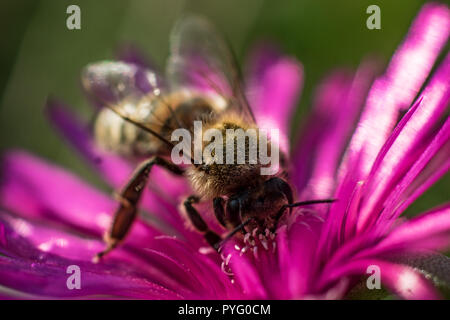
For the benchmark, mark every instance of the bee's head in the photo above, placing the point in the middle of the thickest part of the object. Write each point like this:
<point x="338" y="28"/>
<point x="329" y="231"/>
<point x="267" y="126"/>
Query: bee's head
<point x="261" y="204"/>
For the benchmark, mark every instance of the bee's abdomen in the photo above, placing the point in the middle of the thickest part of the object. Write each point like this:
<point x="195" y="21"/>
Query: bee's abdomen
<point x="117" y="135"/>
<point x="178" y="110"/>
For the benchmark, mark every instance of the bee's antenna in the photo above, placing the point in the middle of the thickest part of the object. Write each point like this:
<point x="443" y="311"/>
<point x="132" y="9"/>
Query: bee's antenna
<point x="308" y="202"/>
<point x="302" y="203"/>
<point x="141" y="126"/>
<point x="218" y="246"/>
<point x="147" y="129"/>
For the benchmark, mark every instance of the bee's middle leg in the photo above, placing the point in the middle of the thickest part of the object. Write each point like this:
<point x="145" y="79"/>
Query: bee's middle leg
<point x="129" y="199"/>
<point x="197" y="221"/>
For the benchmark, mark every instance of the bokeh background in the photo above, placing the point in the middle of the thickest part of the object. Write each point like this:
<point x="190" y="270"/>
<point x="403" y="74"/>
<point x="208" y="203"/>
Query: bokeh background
<point x="39" y="56"/>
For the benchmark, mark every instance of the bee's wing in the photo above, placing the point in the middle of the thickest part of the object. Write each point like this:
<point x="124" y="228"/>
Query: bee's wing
<point x="111" y="82"/>
<point x="120" y="86"/>
<point x="200" y="58"/>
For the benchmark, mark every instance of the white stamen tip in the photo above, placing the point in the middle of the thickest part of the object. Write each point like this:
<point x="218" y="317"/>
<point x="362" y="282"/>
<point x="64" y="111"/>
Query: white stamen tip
<point x="265" y="245"/>
<point x="246" y="237"/>
<point x="228" y="273"/>
<point x="227" y="260"/>
<point x="255" y="252"/>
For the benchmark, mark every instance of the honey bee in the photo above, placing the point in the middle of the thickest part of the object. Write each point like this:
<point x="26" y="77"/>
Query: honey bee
<point x="141" y="110"/>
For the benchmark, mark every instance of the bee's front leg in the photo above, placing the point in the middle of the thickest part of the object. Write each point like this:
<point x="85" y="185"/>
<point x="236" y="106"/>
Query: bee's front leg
<point x="219" y="210"/>
<point x="129" y="198"/>
<point x="197" y="221"/>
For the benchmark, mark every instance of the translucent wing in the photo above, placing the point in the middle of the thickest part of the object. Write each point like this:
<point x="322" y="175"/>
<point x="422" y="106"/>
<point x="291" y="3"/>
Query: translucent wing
<point x="109" y="82"/>
<point x="129" y="90"/>
<point x="200" y="58"/>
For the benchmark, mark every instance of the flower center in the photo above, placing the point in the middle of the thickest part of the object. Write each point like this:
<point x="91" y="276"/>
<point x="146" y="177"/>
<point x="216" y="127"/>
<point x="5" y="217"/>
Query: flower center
<point x="253" y="242"/>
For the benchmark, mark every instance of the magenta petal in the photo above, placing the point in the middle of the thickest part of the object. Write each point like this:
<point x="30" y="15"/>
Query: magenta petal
<point x="66" y="245"/>
<point x="423" y="183"/>
<point x="430" y="162"/>
<point x="319" y="134"/>
<point x="165" y="263"/>
<point x="35" y="189"/>
<point x="401" y="280"/>
<point x="413" y="60"/>
<point x="336" y="107"/>
<point x="111" y="167"/>
<point x="340" y="219"/>
<point x="405" y="75"/>
<point x="274" y="88"/>
<point x="429" y="231"/>
<point x="284" y="261"/>
<point x="52" y="240"/>
<point x="44" y="273"/>
<point x="245" y="272"/>
<point x="300" y="269"/>
<point x="212" y="283"/>
<point x="45" y="244"/>
<point x="49" y="281"/>
<point x="366" y="216"/>
<point x="409" y="138"/>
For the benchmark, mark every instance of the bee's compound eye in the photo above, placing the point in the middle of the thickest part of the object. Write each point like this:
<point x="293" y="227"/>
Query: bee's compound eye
<point x="233" y="209"/>
<point x="233" y="205"/>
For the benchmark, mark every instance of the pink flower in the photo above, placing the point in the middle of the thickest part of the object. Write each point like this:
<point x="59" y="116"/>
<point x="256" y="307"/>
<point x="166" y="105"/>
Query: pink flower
<point x="51" y="219"/>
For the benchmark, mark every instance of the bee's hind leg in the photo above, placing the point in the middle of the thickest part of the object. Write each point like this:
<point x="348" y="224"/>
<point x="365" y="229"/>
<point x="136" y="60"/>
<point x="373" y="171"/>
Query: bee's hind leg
<point x="129" y="198"/>
<point x="197" y="221"/>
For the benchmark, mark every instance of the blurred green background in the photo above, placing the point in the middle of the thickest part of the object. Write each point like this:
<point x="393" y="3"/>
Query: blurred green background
<point x="40" y="56"/>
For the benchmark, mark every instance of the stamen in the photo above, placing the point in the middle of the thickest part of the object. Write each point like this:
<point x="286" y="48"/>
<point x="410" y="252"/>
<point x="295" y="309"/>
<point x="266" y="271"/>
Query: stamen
<point x="227" y="260"/>
<point x="255" y="252"/>
<point x="206" y="250"/>
<point x="246" y="237"/>
<point x="228" y="273"/>
<point x="265" y="244"/>
<point x="306" y="225"/>
<point x="243" y="250"/>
